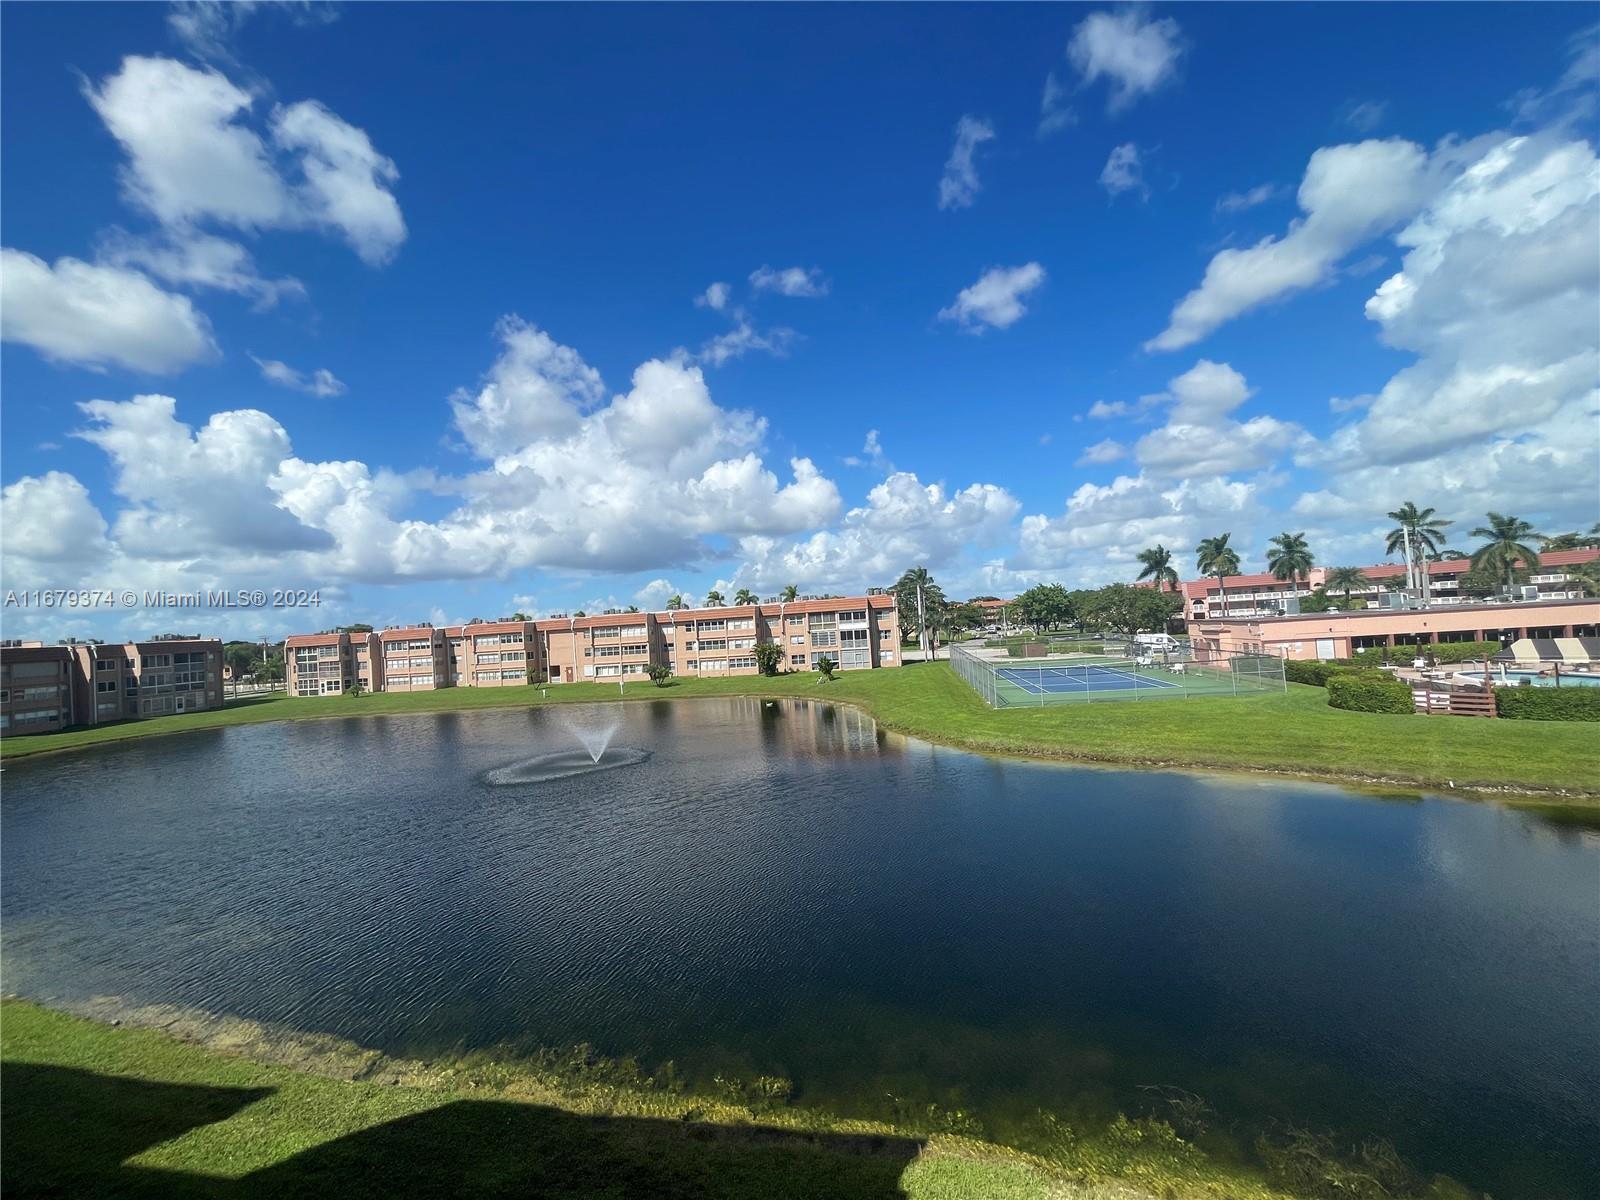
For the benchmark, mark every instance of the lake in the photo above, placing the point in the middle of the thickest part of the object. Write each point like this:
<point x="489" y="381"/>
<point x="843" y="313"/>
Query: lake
<point x="757" y="887"/>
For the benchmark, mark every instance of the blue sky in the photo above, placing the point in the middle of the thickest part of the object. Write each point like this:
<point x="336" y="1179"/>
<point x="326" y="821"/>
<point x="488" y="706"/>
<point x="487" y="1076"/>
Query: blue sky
<point x="1009" y="291"/>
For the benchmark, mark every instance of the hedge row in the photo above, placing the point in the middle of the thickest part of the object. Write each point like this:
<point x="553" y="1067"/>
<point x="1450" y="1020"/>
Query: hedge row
<point x="1316" y="672"/>
<point x="1443" y="653"/>
<point x="1369" y="691"/>
<point x="1548" y="704"/>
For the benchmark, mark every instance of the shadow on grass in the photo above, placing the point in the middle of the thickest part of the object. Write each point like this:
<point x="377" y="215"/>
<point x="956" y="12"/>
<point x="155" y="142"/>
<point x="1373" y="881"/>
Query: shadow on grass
<point x="250" y="701"/>
<point x="69" y="1133"/>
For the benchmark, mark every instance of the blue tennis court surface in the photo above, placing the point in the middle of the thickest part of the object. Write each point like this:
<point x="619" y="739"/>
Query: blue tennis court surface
<point x="1040" y="680"/>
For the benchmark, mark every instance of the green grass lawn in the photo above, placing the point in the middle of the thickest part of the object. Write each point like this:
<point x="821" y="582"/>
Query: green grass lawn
<point x="1294" y="731"/>
<point x="92" y="1111"/>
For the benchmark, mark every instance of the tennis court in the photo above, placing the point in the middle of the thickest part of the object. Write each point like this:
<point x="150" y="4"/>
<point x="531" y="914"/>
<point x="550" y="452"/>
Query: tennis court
<point x="1092" y="678"/>
<point x="1081" y="679"/>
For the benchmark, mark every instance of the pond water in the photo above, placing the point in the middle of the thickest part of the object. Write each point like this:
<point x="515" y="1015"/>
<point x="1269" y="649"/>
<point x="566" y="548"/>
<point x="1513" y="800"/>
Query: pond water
<point x="755" y="887"/>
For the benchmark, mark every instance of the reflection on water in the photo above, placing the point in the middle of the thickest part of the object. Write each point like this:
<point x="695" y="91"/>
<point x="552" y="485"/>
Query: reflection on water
<point x="780" y="888"/>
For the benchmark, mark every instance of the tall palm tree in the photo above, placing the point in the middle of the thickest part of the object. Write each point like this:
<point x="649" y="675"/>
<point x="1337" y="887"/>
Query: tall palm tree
<point x="714" y="599"/>
<point x="918" y="594"/>
<point x="744" y="596"/>
<point x="1157" y="563"/>
<point x="1417" y="534"/>
<point x="675" y="600"/>
<point x="1290" y="557"/>
<point x="1507" y="548"/>
<point x="788" y="594"/>
<point x="1346" y="580"/>
<point x="1213" y="556"/>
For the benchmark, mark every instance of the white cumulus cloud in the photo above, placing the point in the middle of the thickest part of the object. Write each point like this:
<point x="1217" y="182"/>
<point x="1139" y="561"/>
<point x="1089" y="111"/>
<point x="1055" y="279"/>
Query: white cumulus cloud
<point x="1124" y="172"/>
<point x="97" y="316"/>
<point x="1135" y="54"/>
<point x="790" y="281"/>
<point x="1349" y="194"/>
<point x="320" y="382"/>
<point x="995" y="301"/>
<point x="959" y="185"/>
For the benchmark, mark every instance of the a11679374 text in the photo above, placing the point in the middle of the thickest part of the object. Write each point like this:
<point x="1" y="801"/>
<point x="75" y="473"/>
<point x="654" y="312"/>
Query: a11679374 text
<point x="99" y="598"/>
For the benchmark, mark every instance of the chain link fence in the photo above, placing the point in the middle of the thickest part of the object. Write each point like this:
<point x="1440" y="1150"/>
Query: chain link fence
<point x="1095" y="671"/>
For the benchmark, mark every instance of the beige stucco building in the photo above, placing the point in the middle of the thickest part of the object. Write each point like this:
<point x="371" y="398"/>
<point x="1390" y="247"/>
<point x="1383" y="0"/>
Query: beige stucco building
<point x="856" y="632"/>
<point x="45" y="688"/>
<point x="1339" y="634"/>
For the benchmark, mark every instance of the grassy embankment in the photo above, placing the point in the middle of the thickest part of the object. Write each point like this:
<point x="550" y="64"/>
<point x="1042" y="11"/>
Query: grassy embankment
<point x="94" y="1111"/>
<point x="1294" y="732"/>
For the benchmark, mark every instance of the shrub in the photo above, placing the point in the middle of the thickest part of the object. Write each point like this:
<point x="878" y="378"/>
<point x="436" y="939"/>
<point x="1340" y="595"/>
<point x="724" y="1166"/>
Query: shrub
<point x="1369" y="691"/>
<point x="769" y="657"/>
<point x="826" y="666"/>
<point x="660" y="674"/>
<point x="1444" y="652"/>
<point x="1316" y="672"/>
<point x="1548" y="704"/>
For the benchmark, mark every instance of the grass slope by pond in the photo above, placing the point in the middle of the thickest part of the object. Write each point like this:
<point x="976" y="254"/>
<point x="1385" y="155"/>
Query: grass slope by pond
<point x="1295" y="732"/>
<point x="94" y="1111"/>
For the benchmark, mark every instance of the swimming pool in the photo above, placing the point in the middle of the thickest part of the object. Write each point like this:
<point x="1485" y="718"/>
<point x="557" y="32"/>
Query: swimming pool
<point x="1515" y="678"/>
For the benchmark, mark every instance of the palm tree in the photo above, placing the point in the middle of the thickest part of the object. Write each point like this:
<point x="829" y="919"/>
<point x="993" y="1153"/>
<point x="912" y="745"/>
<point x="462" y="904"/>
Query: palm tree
<point x="744" y="596"/>
<point x="1213" y="556"/>
<point x="1290" y="557"/>
<point x="1569" y="541"/>
<point x="1417" y="534"/>
<point x="1346" y="580"/>
<point x="714" y="599"/>
<point x="788" y="594"/>
<point x="1158" y="566"/>
<point x="1507" y="548"/>
<point x="675" y="601"/>
<point x="633" y="608"/>
<point x="1587" y="576"/>
<point x="917" y="593"/>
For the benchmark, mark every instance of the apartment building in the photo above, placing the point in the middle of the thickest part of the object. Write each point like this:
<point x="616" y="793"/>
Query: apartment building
<point x="1264" y="595"/>
<point x="324" y="664"/>
<point x="493" y="654"/>
<point x="93" y="683"/>
<point x="414" y="659"/>
<point x="162" y="677"/>
<point x="35" y="687"/>
<point x="1340" y="634"/>
<point x="856" y="632"/>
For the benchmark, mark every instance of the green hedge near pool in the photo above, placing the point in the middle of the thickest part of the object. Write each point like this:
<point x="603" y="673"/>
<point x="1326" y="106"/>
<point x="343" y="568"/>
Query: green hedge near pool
<point x="1369" y="691"/>
<point x="1441" y="652"/>
<point x="1548" y="703"/>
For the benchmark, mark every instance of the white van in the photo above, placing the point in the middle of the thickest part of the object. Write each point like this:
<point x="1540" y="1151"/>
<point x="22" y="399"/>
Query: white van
<point x="1159" y="643"/>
